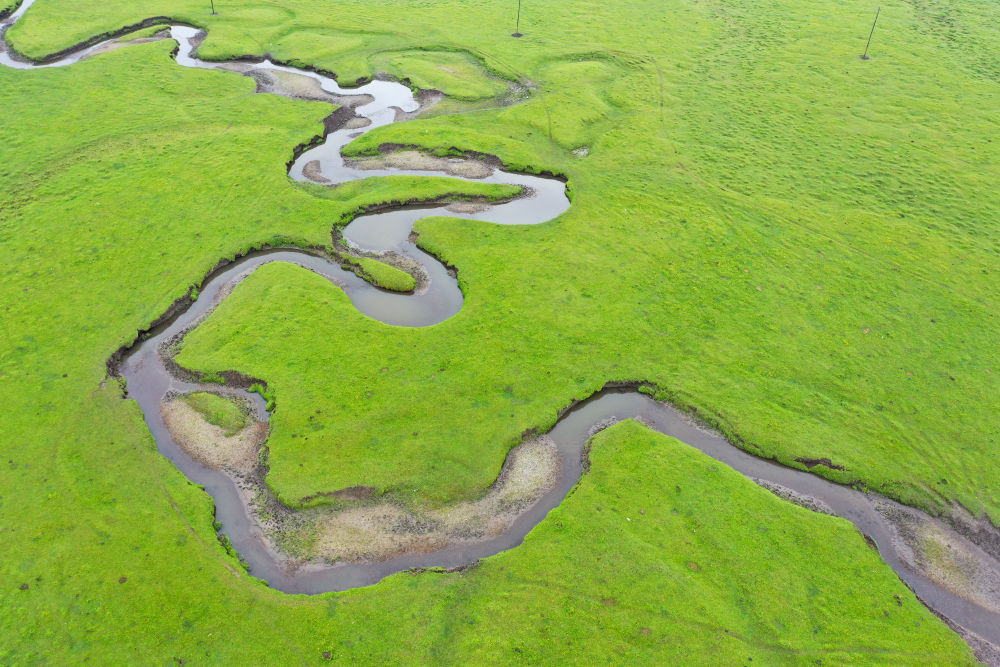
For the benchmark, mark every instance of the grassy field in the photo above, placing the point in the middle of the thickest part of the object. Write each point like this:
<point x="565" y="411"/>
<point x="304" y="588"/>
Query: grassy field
<point x="217" y="411"/>
<point x="798" y="243"/>
<point x="813" y="271"/>
<point x="609" y="577"/>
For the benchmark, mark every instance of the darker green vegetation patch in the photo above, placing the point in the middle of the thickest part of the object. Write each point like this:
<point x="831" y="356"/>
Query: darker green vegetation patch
<point x="226" y="413"/>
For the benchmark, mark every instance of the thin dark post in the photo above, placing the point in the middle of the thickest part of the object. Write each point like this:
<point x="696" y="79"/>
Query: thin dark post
<point x="865" y="56"/>
<point x="213" y="6"/>
<point x="517" y="26"/>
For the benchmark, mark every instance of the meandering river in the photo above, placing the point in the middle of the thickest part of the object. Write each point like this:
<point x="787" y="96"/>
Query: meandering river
<point x="149" y="378"/>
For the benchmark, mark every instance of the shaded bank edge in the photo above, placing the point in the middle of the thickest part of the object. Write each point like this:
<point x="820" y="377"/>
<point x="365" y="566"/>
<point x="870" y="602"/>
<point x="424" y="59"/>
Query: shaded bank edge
<point x="454" y="151"/>
<point x="7" y="12"/>
<point x="95" y="39"/>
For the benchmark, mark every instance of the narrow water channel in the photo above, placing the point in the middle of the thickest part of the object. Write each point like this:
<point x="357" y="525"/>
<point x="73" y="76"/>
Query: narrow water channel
<point x="383" y="102"/>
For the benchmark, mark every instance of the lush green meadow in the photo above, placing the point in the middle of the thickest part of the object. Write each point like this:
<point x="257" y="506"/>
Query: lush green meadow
<point x="800" y="244"/>
<point x="795" y="241"/>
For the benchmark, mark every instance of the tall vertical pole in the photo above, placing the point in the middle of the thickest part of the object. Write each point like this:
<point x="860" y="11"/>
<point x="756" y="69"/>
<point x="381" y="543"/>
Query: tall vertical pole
<point x="517" y="26"/>
<point x="213" y="6"/>
<point x="865" y="56"/>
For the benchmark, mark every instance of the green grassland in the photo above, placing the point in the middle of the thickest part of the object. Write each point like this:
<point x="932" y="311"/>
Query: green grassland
<point x="804" y="252"/>
<point x="456" y="72"/>
<point x="798" y="243"/>
<point x="386" y="276"/>
<point x="218" y="411"/>
<point x="609" y="577"/>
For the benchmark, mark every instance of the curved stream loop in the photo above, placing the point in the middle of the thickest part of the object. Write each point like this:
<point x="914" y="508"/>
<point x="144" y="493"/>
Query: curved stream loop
<point x="149" y="380"/>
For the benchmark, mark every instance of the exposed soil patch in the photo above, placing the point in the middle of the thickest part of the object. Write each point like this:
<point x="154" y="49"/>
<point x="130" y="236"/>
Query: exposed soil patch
<point x="800" y="499"/>
<point x="978" y="530"/>
<point x="468" y="207"/>
<point x="288" y="84"/>
<point x="812" y="463"/>
<point x="208" y="444"/>
<point x="418" y="161"/>
<point x="365" y="530"/>
<point x="383" y="530"/>
<point x="944" y="557"/>
<point x="356" y="123"/>
<point x="314" y="173"/>
<point x="355" y="493"/>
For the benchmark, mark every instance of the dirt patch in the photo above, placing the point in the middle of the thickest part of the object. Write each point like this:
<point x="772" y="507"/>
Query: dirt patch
<point x="383" y="530"/>
<point x="427" y="99"/>
<point x="114" y="46"/>
<point x="355" y="493"/>
<point x="979" y="530"/>
<point x="812" y="463"/>
<point x="395" y="259"/>
<point x="356" y="123"/>
<point x="209" y="444"/>
<point x="468" y="207"/>
<point x="800" y="499"/>
<point x="288" y="84"/>
<point x="313" y="172"/>
<point x="418" y="161"/>
<point x="946" y="558"/>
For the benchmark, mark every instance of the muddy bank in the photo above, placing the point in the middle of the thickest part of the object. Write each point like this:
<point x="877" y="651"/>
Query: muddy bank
<point x="420" y="161"/>
<point x="388" y="148"/>
<point x="947" y="558"/>
<point x="295" y="86"/>
<point x="211" y="445"/>
<point x="7" y="12"/>
<point x="311" y="170"/>
<point x="367" y="528"/>
<point x="383" y="530"/>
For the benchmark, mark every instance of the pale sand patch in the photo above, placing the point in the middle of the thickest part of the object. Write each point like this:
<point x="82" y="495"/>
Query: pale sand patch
<point x="125" y="41"/>
<point x="290" y="84"/>
<point x="383" y="530"/>
<point x="467" y="207"/>
<point x="952" y="564"/>
<point x="948" y="559"/>
<point x="417" y="161"/>
<point x="209" y="444"/>
<point x="356" y="123"/>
